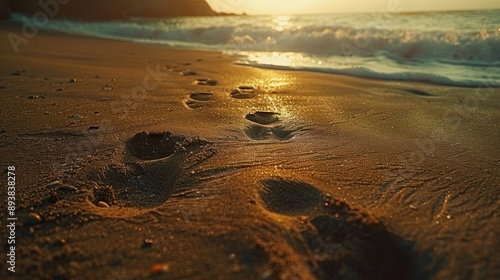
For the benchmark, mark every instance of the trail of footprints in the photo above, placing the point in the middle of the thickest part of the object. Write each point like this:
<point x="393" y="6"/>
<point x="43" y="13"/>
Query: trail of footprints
<point x="335" y="237"/>
<point x="262" y="123"/>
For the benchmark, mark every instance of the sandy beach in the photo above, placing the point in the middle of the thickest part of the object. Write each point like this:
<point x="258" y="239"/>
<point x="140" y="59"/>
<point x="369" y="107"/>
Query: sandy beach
<point x="147" y="162"/>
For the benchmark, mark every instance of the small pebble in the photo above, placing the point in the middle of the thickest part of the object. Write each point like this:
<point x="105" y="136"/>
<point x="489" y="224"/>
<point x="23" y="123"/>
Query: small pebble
<point x="231" y="257"/>
<point x="59" y="89"/>
<point x="53" y="183"/>
<point x="75" y="116"/>
<point x="73" y="80"/>
<point x="103" y="204"/>
<point x="160" y="268"/>
<point x="93" y="127"/>
<point x="60" y="242"/>
<point x="32" y="219"/>
<point x="147" y="243"/>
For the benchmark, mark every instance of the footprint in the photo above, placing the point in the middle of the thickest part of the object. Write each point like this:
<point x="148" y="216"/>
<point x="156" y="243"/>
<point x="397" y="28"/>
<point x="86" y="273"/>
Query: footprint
<point x="289" y="197"/>
<point x="418" y="92"/>
<point x="198" y="99"/>
<point x="205" y="82"/>
<point x="257" y="132"/>
<point x="164" y="166"/>
<point x="150" y="146"/>
<point x="340" y="242"/>
<point x="244" y="92"/>
<point x="202" y="96"/>
<point x="192" y="104"/>
<point x="188" y="73"/>
<point x="263" y="118"/>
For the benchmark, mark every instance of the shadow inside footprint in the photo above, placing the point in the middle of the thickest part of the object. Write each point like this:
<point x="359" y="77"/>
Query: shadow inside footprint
<point x="205" y="82"/>
<point x="244" y="92"/>
<point x="257" y="132"/>
<point x="418" y="92"/>
<point x="202" y="96"/>
<point x="148" y="183"/>
<point x="150" y="146"/>
<point x="193" y="104"/>
<point x="349" y="244"/>
<point x="263" y="118"/>
<point x="289" y="197"/>
<point x="340" y="242"/>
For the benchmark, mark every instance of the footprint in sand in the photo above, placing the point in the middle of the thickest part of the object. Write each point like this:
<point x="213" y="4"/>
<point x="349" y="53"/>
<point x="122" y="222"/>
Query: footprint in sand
<point x="264" y="118"/>
<point x="205" y="82"/>
<point x="202" y="96"/>
<point x="179" y="68"/>
<point x="244" y="92"/>
<point x="289" y="197"/>
<point x="261" y="130"/>
<point x="418" y="92"/>
<point x="160" y="165"/>
<point x="258" y="132"/>
<point x="188" y="73"/>
<point x="151" y="146"/>
<point x="198" y="99"/>
<point x="341" y="242"/>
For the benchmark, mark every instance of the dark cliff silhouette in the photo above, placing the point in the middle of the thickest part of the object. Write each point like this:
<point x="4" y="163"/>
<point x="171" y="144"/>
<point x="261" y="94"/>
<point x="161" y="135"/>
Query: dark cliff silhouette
<point x="4" y="10"/>
<point x="111" y="9"/>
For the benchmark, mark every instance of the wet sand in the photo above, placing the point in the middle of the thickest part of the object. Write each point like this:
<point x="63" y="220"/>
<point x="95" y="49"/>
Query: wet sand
<point x="147" y="162"/>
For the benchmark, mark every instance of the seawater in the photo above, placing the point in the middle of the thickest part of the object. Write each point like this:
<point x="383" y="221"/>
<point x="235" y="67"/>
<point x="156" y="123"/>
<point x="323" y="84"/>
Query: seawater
<point x="448" y="48"/>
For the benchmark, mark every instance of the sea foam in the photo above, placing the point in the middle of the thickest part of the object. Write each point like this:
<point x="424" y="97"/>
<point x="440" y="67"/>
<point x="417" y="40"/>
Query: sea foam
<point x="459" y="49"/>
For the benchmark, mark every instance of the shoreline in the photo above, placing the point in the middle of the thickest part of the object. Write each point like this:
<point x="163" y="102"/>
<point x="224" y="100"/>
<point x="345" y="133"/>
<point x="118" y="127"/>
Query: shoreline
<point x="252" y="173"/>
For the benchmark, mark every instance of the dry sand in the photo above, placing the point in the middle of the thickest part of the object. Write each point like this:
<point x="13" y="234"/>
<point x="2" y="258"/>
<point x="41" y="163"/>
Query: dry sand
<point x="217" y="171"/>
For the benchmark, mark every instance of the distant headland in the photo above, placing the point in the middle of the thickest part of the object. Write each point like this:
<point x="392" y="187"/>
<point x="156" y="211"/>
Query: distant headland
<point x="108" y="9"/>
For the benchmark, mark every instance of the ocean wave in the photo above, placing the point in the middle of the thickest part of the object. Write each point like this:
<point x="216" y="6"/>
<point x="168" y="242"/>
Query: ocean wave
<point x="432" y="78"/>
<point x="480" y="47"/>
<point x="415" y="47"/>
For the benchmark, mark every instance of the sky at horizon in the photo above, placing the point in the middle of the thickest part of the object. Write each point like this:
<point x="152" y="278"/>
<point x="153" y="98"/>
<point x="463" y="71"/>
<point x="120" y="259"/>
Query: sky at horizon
<point x="345" y="6"/>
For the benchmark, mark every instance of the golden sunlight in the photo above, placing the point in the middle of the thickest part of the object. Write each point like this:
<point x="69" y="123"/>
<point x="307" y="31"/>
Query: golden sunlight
<point x="282" y="23"/>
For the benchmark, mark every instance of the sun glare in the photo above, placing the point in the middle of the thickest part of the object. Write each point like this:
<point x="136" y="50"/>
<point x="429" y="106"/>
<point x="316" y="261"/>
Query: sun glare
<point x="282" y="23"/>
